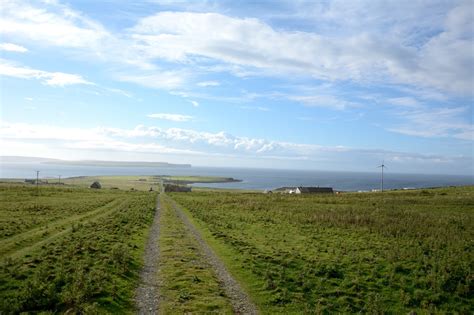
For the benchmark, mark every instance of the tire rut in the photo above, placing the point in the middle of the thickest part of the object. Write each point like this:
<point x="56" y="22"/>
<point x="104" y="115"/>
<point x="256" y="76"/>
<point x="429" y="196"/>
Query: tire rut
<point x="13" y="250"/>
<point x="240" y="301"/>
<point x="147" y="295"/>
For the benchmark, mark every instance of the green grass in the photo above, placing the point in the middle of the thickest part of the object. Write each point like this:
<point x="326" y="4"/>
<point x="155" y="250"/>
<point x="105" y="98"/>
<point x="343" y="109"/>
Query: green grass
<point x="22" y="210"/>
<point x="71" y="249"/>
<point x="141" y="182"/>
<point x="394" y="252"/>
<point x="188" y="283"/>
<point x="128" y="182"/>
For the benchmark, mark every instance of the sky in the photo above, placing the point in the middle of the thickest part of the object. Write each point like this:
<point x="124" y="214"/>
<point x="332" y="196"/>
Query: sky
<point x="320" y="85"/>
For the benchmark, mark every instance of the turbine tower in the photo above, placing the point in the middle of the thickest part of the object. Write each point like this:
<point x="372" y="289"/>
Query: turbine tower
<point x="382" y="166"/>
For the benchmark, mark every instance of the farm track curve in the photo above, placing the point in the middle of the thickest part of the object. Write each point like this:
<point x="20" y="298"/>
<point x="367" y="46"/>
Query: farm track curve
<point x="147" y="295"/>
<point x="240" y="301"/>
<point x="18" y="245"/>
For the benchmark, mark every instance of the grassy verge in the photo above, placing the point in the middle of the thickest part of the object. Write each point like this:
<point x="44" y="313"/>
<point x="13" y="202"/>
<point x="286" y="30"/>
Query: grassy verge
<point x="393" y="252"/>
<point x="188" y="284"/>
<point x="91" y="266"/>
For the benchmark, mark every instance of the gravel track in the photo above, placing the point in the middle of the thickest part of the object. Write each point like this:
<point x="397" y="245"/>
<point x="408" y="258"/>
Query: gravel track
<point x="147" y="295"/>
<point x="240" y="301"/>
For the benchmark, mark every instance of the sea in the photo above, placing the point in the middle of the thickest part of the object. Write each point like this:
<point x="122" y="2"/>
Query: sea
<point x="251" y="179"/>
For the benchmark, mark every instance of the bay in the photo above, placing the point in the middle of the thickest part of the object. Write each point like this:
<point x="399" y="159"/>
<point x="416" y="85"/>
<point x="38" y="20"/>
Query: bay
<point x="258" y="179"/>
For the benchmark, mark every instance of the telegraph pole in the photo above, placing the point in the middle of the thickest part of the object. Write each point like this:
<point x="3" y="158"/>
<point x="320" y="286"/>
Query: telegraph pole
<point x="59" y="179"/>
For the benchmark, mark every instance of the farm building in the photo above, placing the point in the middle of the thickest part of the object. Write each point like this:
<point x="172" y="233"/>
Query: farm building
<point x="305" y="190"/>
<point x="314" y="190"/>
<point x="177" y="188"/>
<point x="285" y="190"/>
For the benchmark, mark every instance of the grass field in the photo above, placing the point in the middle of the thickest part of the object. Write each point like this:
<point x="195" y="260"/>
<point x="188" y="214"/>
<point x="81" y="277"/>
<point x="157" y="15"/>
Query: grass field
<point x="141" y="182"/>
<point x="71" y="249"/>
<point x="77" y="250"/>
<point x="392" y="252"/>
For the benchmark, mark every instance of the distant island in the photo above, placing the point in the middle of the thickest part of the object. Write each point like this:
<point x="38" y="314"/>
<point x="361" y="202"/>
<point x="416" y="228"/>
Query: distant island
<point x="24" y="159"/>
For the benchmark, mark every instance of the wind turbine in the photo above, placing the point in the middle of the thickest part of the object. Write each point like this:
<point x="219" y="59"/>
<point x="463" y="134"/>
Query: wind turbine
<point x="382" y="166"/>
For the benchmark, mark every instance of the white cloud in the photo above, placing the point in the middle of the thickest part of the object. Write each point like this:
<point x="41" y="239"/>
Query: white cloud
<point x="194" y="103"/>
<point x="49" y="78"/>
<point x="151" y="139"/>
<point x="438" y="122"/>
<point x="47" y="132"/>
<point x="221" y="140"/>
<point x="176" y="36"/>
<point x="13" y="47"/>
<point x="177" y="136"/>
<point x="52" y="24"/>
<point x="448" y="59"/>
<point x="404" y="102"/>
<point x="62" y="79"/>
<point x="128" y="147"/>
<point x="159" y="80"/>
<point x="172" y="117"/>
<point x="322" y="100"/>
<point x="391" y="48"/>
<point x="420" y="119"/>
<point x="208" y="83"/>
<point x="179" y="36"/>
<point x="189" y="144"/>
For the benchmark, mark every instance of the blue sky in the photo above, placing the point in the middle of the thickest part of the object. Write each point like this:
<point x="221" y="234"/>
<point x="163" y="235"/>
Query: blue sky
<point x="328" y="85"/>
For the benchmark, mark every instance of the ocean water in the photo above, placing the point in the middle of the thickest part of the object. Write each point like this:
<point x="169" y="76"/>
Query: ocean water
<point x="251" y="178"/>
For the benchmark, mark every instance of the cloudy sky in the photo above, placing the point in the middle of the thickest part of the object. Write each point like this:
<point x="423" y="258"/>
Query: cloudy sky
<point x="328" y="85"/>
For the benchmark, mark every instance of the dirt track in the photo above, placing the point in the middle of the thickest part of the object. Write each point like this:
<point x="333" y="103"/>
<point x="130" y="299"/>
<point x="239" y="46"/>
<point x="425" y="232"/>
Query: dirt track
<point x="147" y="295"/>
<point x="240" y="301"/>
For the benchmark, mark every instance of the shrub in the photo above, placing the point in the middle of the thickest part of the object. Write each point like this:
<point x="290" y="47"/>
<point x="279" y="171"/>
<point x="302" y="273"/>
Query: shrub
<point x="96" y="185"/>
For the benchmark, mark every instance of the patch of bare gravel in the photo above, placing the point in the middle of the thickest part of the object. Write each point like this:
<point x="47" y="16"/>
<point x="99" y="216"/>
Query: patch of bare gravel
<point x="238" y="298"/>
<point x="147" y="295"/>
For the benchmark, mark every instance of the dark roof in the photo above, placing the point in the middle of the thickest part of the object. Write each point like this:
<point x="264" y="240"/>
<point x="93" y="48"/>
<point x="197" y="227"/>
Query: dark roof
<point x="284" y="188"/>
<point x="316" y="189"/>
